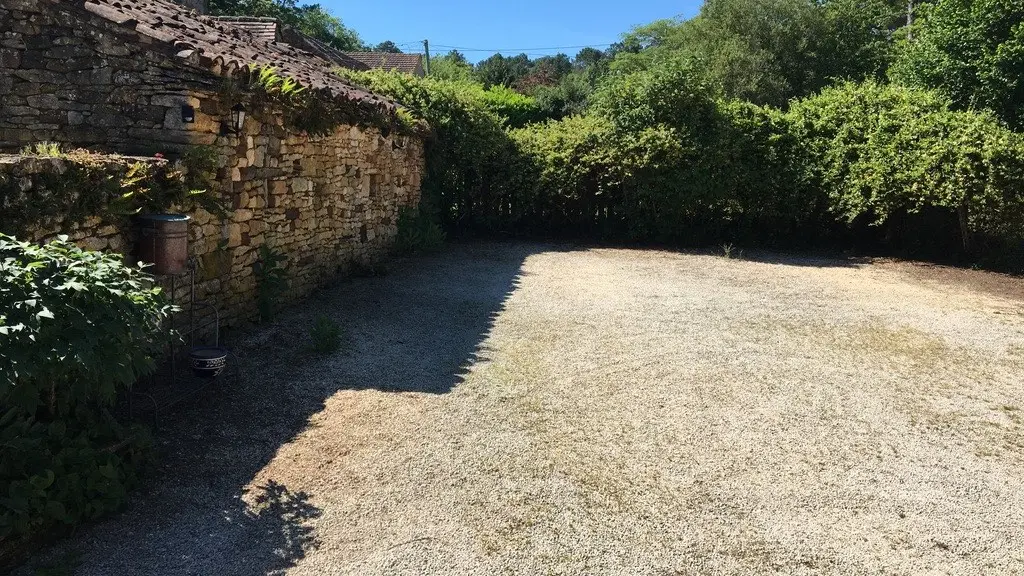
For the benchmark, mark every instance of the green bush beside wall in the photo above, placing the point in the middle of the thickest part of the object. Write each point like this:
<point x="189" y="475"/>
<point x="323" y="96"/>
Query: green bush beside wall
<point x="76" y="327"/>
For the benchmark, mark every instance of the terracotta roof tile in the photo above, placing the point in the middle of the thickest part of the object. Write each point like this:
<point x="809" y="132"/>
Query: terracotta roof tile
<point x="266" y="29"/>
<point x="408" y="63"/>
<point x="224" y="48"/>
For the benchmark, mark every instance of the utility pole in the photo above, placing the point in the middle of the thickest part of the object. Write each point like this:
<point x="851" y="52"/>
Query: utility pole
<point x="426" y="50"/>
<point x="910" y="19"/>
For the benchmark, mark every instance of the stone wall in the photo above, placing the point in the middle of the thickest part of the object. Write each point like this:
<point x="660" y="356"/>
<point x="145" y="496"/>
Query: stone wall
<point x="322" y="201"/>
<point x="65" y="77"/>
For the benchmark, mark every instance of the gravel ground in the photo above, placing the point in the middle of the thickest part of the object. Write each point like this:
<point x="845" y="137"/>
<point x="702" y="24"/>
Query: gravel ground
<point x="531" y="409"/>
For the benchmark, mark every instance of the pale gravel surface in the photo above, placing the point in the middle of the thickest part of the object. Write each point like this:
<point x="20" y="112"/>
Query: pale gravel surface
<point x="530" y="409"/>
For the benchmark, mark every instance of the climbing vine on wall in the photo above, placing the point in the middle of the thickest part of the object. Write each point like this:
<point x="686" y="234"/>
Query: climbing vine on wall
<point x="317" y="112"/>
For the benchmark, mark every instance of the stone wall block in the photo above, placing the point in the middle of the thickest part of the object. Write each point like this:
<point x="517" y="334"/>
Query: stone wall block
<point x="67" y="79"/>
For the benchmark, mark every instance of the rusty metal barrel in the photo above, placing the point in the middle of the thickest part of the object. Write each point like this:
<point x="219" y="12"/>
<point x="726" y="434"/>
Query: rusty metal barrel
<point x="163" y="242"/>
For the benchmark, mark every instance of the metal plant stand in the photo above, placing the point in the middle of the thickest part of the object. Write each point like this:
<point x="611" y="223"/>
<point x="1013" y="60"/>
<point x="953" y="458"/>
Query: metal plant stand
<point x="175" y="382"/>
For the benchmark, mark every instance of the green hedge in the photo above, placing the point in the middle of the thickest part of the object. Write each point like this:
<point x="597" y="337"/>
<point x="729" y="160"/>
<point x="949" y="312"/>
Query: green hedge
<point x="517" y="109"/>
<point x="901" y="160"/>
<point x="882" y="165"/>
<point x="76" y="327"/>
<point x="658" y="158"/>
<point x="661" y="160"/>
<point x="472" y="173"/>
<point x="572" y="178"/>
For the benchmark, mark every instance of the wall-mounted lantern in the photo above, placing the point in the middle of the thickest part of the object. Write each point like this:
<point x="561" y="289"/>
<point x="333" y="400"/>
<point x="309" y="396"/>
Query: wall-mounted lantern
<point x="237" y="118"/>
<point x="188" y="114"/>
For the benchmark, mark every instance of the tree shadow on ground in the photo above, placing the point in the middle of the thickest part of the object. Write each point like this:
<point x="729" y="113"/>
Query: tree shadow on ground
<point x="798" y="259"/>
<point x="414" y="330"/>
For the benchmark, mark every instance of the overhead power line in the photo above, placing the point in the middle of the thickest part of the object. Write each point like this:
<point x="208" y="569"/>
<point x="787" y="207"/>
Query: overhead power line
<point x="465" y="49"/>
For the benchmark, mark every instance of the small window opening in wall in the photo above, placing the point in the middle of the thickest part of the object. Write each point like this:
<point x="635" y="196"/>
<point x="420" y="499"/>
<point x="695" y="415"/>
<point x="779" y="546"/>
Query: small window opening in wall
<point x="188" y="114"/>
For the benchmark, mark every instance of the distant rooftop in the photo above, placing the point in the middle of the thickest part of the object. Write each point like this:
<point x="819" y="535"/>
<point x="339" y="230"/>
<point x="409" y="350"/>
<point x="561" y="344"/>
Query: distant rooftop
<point x="273" y="30"/>
<point x="408" y="63"/>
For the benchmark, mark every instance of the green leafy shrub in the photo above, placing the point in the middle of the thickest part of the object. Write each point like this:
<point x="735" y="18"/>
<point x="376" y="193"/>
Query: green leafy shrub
<point x="575" y="177"/>
<point x="889" y="155"/>
<point x="76" y="327"/>
<point x="658" y="159"/>
<point x="325" y="335"/>
<point x="756" y="166"/>
<point x="471" y="173"/>
<point x="517" y="110"/>
<point x="417" y="232"/>
<point x="271" y="281"/>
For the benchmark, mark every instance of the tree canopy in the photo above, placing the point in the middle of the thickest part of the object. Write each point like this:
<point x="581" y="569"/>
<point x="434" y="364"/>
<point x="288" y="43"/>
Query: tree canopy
<point x="387" y="46"/>
<point x="972" y="51"/>
<point x="770" y="51"/>
<point x="451" y="66"/>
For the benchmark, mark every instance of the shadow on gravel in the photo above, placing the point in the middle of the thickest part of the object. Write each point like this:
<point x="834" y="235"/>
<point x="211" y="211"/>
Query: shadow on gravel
<point x="805" y="260"/>
<point x="415" y="329"/>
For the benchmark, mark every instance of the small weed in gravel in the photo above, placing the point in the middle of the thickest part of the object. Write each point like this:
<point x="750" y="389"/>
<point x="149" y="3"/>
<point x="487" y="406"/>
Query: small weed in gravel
<point x="729" y="251"/>
<point x="326" y="335"/>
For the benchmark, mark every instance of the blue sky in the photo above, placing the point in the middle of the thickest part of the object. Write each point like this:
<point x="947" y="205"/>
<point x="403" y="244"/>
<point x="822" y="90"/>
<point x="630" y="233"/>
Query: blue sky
<point x="510" y="24"/>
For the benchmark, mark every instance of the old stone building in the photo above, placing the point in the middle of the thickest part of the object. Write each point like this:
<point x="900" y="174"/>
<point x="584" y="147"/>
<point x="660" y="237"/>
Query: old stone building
<point x="150" y="77"/>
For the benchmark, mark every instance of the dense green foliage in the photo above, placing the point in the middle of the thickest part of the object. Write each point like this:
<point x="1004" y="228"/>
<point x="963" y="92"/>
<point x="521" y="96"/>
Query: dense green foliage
<point x="76" y="328"/>
<point x="558" y="84"/>
<point x="516" y="109"/>
<point x="885" y="152"/>
<point x="661" y="158"/>
<point x="757" y="121"/>
<point x="471" y="172"/>
<point x="72" y="186"/>
<point x="418" y="232"/>
<point x="769" y="51"/>
<point x="972" y="51"/>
